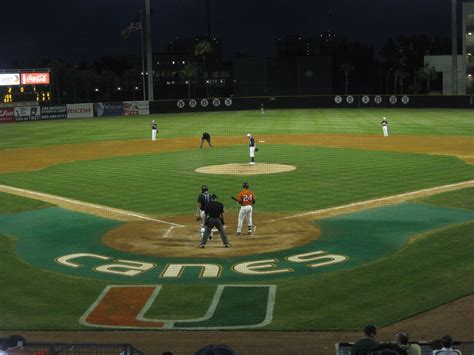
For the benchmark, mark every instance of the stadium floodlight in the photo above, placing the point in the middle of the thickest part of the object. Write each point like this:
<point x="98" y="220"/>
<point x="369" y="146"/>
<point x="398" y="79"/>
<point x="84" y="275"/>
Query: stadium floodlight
<point x="136" y="88"/>
<point x="96" y="90"/>
<point x="469" y="75"/>
<point x="119" y="88"/>
<point x="469" y="33"/>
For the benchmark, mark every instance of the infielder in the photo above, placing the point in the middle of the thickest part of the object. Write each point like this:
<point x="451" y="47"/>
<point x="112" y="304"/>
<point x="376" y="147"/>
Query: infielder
<point x="252" y="148"/>
<point x="262" y="109"/>
<point x="203" y="199"/>
<point x="384" y="124"/>
<point x="154" y="130"/>
<point x="206" y="137"/>
<point x="246" y="199"/>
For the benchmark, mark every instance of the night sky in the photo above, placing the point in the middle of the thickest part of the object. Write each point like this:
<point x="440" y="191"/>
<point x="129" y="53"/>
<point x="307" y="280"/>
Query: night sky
<point x="88" y="29"/>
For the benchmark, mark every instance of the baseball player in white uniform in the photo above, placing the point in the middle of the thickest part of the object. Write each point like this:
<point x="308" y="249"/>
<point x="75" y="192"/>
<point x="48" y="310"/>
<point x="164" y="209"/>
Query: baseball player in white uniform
<point x="384" y="124"/>
<point x="252" y="147"/>
<point x="154" y="130"/>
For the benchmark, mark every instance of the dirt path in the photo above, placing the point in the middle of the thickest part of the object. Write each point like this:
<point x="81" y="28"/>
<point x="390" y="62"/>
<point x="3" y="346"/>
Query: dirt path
<point x="35" y="158"/>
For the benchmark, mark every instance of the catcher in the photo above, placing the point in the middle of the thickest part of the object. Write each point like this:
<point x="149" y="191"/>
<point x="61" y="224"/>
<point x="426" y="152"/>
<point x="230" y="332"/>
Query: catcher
<point x="214" y="218"/>
<point x="203" y="199"/>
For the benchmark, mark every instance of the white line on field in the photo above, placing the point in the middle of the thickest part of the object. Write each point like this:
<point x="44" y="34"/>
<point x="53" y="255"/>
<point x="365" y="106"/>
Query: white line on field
<point x="168" y="232"/>
<point x="407" y="195"/>
<point x="85" y="204"/>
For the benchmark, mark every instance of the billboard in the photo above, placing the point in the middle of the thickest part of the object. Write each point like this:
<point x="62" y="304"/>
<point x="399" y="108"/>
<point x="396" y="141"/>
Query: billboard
<point x="108" y="109"/>
<point x="27" y="113"/>
<point x="7" y="114"/>
<point x="36" y="78"/>
<point x="133" y="108"/>
<point x="9" y="79"/>
<point x="80" y="110"/>
<point x="53" y="112"/>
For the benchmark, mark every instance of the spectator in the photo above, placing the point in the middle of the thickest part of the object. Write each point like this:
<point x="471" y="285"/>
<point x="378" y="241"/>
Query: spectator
<point x="216" y="350"/>
<point x="410" y="349"/>
<point x="446" y="347"/>
<point x="13" y="345"/>
<point x="367" y="343"/>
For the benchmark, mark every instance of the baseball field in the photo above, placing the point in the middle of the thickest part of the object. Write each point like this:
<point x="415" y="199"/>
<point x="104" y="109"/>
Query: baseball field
<point x="97" y="227"/>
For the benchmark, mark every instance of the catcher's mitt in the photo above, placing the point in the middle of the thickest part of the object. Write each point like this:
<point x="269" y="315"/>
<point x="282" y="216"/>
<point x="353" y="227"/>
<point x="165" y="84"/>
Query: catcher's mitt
<point x="256" y="149"/>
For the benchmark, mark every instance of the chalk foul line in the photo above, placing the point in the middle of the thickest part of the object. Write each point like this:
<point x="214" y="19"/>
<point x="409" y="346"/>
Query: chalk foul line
<point x="383" y="200"/>
<point x="53" y="198"/>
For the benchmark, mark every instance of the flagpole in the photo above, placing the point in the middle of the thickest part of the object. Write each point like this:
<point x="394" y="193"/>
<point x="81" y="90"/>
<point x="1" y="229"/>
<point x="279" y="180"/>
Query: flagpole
<point x="149" y="57"/>
<point x="143" y="57"/>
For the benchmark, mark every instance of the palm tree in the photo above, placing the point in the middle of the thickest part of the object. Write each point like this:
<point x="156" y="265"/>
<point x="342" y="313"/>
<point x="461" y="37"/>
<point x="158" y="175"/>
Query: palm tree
<point x="402" y="75"/>
<point x="190" y="72"/>
<point x="202" y="49"/>
<point x="346" y="68"/>
<point x="427" y="73"/>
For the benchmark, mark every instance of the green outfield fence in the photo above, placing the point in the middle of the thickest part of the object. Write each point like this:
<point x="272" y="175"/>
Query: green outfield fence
<point x="466" y="348"/>
<point x="81" y="349"/>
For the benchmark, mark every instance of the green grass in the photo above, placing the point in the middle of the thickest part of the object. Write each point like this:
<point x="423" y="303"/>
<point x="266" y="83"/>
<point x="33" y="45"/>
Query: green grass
<point x="458" y="199"/>
<point x="166" y="183"/>
<point x="11" y="203"/>
<point x="359" y="121"/>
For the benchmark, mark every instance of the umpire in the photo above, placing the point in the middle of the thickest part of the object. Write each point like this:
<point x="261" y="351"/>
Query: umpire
<point x="214" y="218"/>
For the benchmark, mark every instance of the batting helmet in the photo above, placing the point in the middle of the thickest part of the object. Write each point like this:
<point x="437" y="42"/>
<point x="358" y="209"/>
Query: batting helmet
<point x="245" y="185"/>
<point x="204" y="189"/>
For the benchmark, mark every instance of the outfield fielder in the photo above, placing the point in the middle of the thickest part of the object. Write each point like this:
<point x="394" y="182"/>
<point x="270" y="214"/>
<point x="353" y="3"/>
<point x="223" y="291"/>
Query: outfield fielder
<point x="246" y="199"/>
<point x="252" y="147"/>
<point x="384" y="126"/>
<point x="154" y="130"/>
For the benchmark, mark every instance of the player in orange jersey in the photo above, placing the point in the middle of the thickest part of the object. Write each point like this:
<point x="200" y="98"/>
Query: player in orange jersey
<point x="246" y="198"/>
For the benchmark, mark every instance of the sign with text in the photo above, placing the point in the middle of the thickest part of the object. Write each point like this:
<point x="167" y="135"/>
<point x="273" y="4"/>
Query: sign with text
<point x="9" y="79"/>
<point x="7" y="114"/>
<point x="80" y="110"/>
<point x="36" y="78"/>
<point x="53" y="112"/>
<point x="134" y="108"/>
<point x="27" y="113"/>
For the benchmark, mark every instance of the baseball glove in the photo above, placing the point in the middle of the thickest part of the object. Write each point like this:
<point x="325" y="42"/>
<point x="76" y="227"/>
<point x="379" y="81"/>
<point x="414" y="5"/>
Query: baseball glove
<point x="198" y="217"/>
<point x="256" y="149"/>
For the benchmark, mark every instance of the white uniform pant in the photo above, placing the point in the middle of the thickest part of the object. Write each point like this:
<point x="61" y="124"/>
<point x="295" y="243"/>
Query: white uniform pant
<point x="252" y="152"/>
<point x="385" y="131"/>
<point x="245" y="212"/>
<point x="153" y="134"/>
<point x="202" y="229"/>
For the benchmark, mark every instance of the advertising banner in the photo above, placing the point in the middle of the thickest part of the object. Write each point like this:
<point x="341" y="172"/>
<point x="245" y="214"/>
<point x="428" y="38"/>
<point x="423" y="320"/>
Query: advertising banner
<point x="37" y="78"/>
<point x="80" y="110"/>
<point x="53" y="112"/>
<point x="7" y="115"/>
<point x="108" y="109"/>
<point x="133" y="108"/>
<point x="27" y="113"/>
<point x="9" y="79"/>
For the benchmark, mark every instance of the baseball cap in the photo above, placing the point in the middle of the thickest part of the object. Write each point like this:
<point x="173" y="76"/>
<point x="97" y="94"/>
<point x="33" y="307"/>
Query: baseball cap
<point x="369" y="329"/>
<point x="248" y="134"/>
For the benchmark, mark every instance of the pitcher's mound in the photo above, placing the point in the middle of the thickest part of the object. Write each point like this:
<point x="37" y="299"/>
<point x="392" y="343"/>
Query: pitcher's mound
<point x="245" y="169"/>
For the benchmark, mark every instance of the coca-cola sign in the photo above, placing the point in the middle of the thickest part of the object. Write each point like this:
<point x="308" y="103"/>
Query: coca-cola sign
<point x="9" y="79"/>
<point x="37" y="78"/>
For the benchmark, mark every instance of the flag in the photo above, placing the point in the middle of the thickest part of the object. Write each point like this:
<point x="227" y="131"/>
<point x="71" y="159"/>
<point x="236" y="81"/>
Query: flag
<point x="135" y="25"/>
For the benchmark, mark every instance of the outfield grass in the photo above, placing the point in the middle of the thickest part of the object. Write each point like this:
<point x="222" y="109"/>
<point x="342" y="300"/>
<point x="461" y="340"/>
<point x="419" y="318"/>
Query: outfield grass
<point x="439" y="122"/>
<point x="11" y="204"/>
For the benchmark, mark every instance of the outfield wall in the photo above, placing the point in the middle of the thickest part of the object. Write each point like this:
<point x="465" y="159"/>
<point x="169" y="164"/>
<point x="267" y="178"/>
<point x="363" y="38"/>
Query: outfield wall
<point x="32" y="112"/>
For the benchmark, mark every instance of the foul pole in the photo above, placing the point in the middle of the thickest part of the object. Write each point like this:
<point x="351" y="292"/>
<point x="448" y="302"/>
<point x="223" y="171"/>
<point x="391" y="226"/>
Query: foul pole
<point x="149" y="55"/>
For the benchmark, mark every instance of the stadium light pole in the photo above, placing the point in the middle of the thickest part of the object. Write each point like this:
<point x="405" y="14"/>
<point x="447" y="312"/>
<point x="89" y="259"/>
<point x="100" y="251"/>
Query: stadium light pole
<point x="149" y="55"/>
<point x="454" y="47"/>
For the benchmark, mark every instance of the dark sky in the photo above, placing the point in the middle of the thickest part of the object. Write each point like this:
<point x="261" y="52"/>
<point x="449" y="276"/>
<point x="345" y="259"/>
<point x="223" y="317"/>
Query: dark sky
<point x="88" y="29"/>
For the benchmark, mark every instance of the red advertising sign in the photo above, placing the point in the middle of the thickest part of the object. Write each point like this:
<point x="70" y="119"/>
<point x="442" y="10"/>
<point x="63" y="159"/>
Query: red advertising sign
<point x="7" y="115"/>
<point x="37" y="78"/>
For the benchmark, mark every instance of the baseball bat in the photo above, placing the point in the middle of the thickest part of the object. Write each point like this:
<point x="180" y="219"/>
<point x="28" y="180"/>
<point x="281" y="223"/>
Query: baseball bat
<point x="232" y="197"/>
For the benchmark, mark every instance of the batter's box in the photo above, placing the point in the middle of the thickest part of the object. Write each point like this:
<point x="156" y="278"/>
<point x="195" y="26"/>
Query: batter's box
<point x="231" y="307"/>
